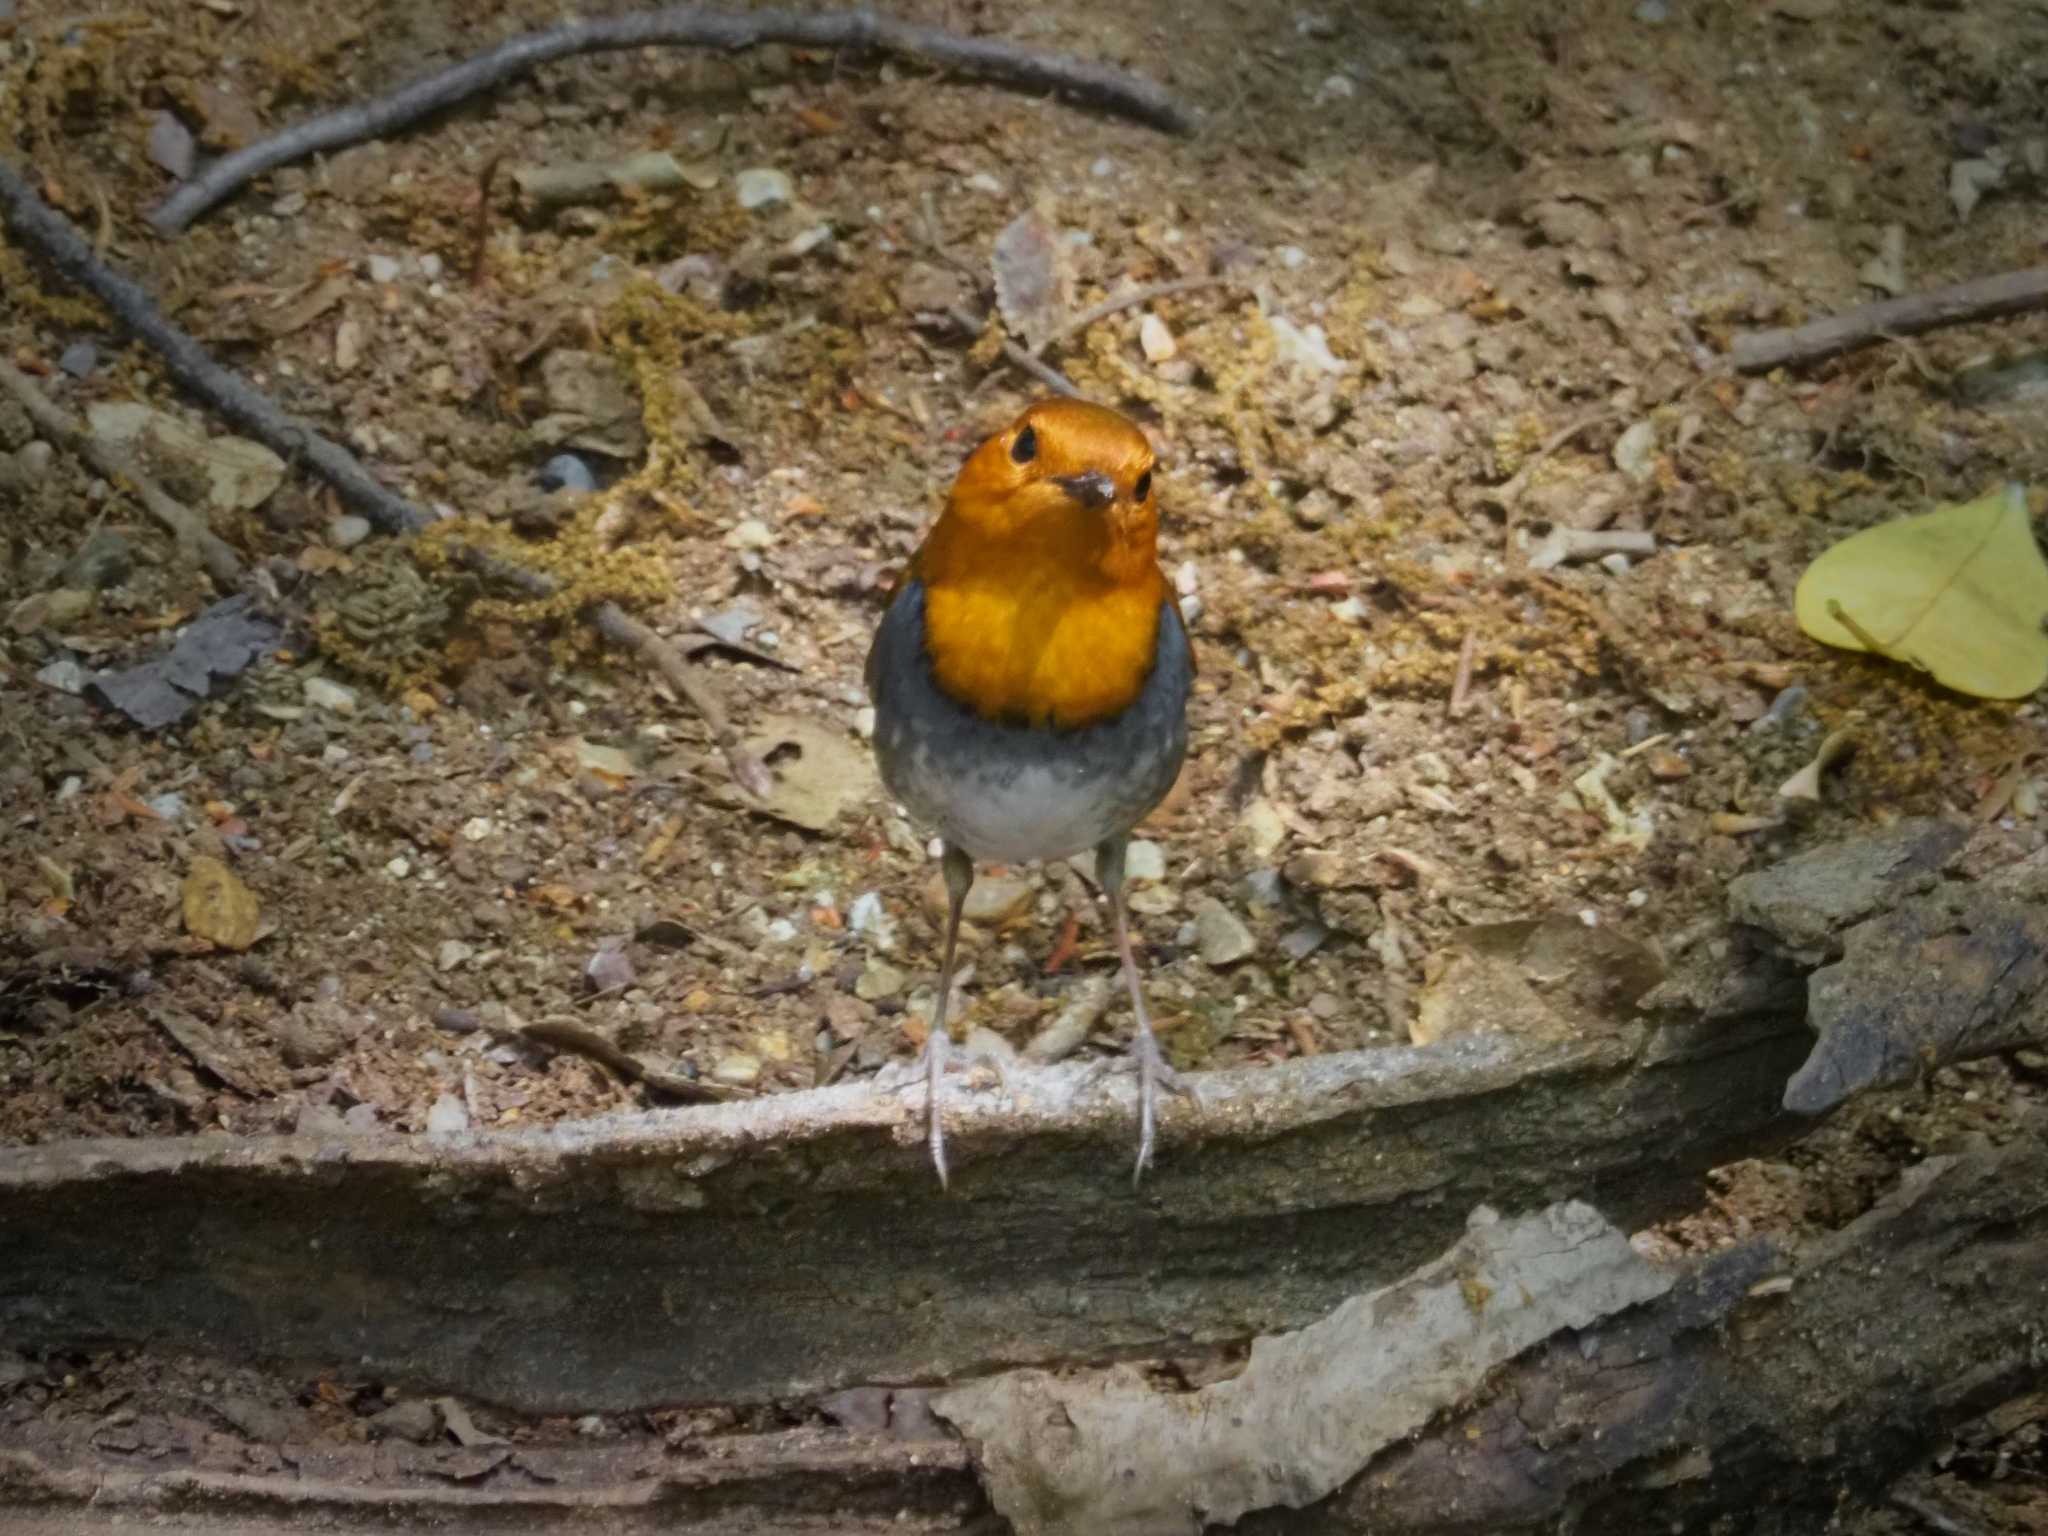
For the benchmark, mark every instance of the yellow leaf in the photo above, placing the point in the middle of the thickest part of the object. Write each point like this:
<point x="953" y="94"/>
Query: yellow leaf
<point x="218" y="907"/>
<point x="1960" y="592"/>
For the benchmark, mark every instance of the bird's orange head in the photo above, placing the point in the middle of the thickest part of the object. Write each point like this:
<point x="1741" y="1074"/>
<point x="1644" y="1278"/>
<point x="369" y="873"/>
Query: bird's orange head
<point x="1042" y="581"/>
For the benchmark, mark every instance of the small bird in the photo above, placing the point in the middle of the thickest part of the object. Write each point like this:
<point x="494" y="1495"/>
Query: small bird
<point x="1031" y="679"/>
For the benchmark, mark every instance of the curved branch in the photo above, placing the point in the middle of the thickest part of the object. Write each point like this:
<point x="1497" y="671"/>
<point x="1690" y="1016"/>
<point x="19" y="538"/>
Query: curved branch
<point x="1098" y="85"/>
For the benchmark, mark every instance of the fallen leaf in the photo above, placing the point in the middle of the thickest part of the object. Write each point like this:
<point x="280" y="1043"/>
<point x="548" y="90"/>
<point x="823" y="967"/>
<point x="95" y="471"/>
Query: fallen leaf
<point x="1960" y="592"/>
<point x="819" y="772"/>
<point x="218" y="907"/>
<point x="1033" y="285"/>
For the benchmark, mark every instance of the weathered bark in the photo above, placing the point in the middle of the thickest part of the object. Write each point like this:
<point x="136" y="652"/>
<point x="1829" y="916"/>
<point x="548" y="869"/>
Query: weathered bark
<point x="1925" y="1312"/>
<point x="791" y="1246"/>
<point x="1766" y="1386"/>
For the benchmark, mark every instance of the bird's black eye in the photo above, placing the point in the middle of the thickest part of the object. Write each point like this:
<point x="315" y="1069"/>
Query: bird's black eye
<point x="1025" y="449"/>
<point x="1143" y="488"/>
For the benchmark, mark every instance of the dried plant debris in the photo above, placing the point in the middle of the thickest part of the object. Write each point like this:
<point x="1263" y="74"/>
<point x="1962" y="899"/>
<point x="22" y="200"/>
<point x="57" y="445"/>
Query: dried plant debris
<point x="1108" y="1452"/>
<point x="1034" y="285"/>
<point x="219" y="644"/>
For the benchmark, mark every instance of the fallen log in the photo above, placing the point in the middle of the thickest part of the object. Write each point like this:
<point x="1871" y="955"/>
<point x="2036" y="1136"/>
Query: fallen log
<point x="779" y="1248"/>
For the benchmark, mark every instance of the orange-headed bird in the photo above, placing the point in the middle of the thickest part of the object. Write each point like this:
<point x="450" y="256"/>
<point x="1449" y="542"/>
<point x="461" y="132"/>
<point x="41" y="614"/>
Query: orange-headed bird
<point x="1031" y="680"/>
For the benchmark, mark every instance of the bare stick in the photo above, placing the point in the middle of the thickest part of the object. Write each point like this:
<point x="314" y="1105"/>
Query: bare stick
<point x="220" y="560"/>
<point x="1098" y="85"/>
<point x="621" y="628"/>
<point x="1985" y="298"/>
<point x="1044" y="372"/>
<point x="1130" y="298"/>
<point x="1461" y="684"/>
<point x="49" y="233"/>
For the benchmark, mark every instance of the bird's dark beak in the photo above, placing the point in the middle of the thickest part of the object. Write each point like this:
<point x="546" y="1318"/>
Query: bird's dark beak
<point x="1094" y="490"/>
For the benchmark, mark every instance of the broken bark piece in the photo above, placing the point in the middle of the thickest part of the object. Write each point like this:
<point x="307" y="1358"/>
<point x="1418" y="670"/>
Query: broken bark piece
<point x="1816" y="1391"/>
<point x="1960" y="972"/>
<point x="558" y="186"/>
<point x="1804" y="904"/>
<point x="1108" y="1452"/>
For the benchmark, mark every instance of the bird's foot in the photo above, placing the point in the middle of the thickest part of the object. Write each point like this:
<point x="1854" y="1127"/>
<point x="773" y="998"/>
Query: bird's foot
<point x="1154" y="1073"/>
<point x="927" y="1072"/>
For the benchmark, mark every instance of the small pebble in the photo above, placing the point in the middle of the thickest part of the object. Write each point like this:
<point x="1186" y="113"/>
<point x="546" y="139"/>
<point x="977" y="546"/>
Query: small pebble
<point x="566" y="472"/>
<point x="1221" y="938"/>
<point x="878" y="979"/>
<point x="1101" y="167"/>
<point x="399" y="867"/>
<point x="609" y="970"/>
<point x="762" y="187"/>
<point x="1293" y="257"/>
<point x="106" y="560"/>
<point x="361" y="1118"/>
<point x="170" y="807"/>
<point x="1299" y="943"/>
<point x="453" y="952"/>
<point x="79" y="359"/>
<point x="170" y="145"/>
<point x="383" y="269"/>
<point x="476" y="829"/>
<point x="750" y="534"/>
<point x="738" y="1069"/>
<point x="325" y="693"/>
<point x="1156" y="339"/>
<point x="1144" y="861"/>
<point x="348" y="530"/>
<point x="430" y="266"/>
<point x="448" y="1116"/>
<point x="1635" y="452"/>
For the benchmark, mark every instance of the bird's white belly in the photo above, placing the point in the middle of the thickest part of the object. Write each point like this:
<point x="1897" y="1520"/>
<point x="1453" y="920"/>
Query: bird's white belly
<point x="1031" y="812"/>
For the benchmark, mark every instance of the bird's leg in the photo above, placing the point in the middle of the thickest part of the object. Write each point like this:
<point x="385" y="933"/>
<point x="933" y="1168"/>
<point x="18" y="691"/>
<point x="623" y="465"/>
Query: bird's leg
<point x="1153" y="1071"/>
<point x="959" y="872"/>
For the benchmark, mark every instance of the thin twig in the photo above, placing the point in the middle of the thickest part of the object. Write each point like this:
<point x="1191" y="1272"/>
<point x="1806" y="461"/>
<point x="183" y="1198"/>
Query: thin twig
<point x="483" y="219"/>
<point x="621" y="628"/>
<point x="1098" y="85"/>
<point x="1461" y="683"/>
<point x="1130" y="298"/>
<point x="1044" y="372"/>
<point x="49" y="233"/>
<point x="220" y="560"/>
<point x="1985" y="298"/>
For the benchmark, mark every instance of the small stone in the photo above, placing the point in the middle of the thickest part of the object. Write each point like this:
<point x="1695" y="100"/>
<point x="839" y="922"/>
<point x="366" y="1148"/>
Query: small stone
<point x="737" y="1069"/>
<point x="878" y="979"/>
<point x="448" y="1116"/>
<point x="992" y="900"/>
<point x="1221" y="938"/>
<point x="325" y="693"/>
<point x="399" y="867"/>
<point x="383" y="269"/>
<point x="477" y="828"/>
<point x="430" y="266"/>
<point x="106" y="560"/>
<point x="1293" y="257"/>
<point x="1144" y="861"/>
<point x="53" y="609"/>
<point x="566" y="472"/>
<point x="1265" y="829"/>
<point x="65" y="675"/>
<point x="453" y="952"/>
<point x="218" y="907"/>
<point x="360" y="1119"/>
<point x="1667" y="765"/>
<point x="79" y="359"/>
<point x="609" y="970"/>
<point x="750" y="534"/>
<point x="763" y="187"/>
<point x="1156" y="338"/>
<point x="1652" y="13"/>
<point x="348" y="345"/>
<point x="169" y="807"/>
<point x="171" y="146"/>
<point x="1635" y="452"/>
<point x="810" y="240"/>
<point x="348" y="530"/>
<point x="1298" y="944"/>
<point x="415" y="1419"/>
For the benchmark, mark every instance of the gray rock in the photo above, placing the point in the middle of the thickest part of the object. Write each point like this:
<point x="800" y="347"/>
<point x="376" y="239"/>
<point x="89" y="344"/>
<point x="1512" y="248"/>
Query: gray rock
<point x="1221" y="938"/>
<point x="1805" y="903"/>
<point x="448" y="1116"/>
<point x="170" y="144"/>
<point x="566" y="472"/>
<point x="348" y="530"/>
<point x="416" y="1419"/>
<point x="609" y="970"/>
<point x="79" y="359"/>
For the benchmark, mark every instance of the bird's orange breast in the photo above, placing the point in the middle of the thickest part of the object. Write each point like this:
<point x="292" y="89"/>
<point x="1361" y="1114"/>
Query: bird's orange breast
<point x="1029" y="641"/>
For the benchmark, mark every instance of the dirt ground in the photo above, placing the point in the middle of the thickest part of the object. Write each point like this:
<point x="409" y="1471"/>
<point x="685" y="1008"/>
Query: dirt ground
<point x="1475" y="267"/>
